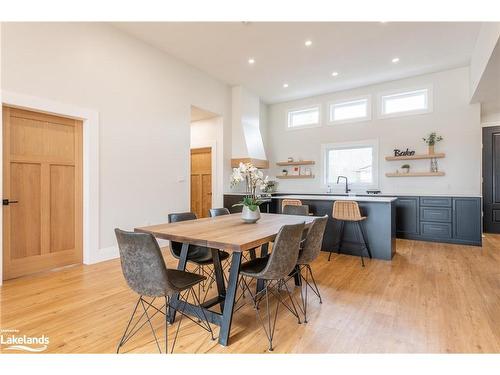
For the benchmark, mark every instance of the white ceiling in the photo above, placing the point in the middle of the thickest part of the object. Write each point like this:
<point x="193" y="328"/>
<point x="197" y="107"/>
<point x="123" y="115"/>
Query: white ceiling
<point x="361" y="52"/>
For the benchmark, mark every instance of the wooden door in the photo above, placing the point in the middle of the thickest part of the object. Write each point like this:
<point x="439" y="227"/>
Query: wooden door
<point x="491" y="179"/>
<point x="201" y="181"/>
<point x="42" y="192"/>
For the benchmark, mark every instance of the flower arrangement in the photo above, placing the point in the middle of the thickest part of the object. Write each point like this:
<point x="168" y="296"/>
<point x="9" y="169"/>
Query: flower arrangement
<point x="253" y="179"/>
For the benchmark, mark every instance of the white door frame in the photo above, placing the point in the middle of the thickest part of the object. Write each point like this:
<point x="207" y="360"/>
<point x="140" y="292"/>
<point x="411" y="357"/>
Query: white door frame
<point x="90" y="120"/>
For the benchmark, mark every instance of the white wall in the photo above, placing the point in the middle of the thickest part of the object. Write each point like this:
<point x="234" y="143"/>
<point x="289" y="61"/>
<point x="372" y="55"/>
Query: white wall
<point x="209" y="133"/>
<point x="144" y="100"/>
<point x="453" y="117"/>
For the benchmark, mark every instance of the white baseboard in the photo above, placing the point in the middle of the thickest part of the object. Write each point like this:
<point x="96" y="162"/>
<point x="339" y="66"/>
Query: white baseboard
<point x="112" y="252"/>
<point x="104" y="254"/>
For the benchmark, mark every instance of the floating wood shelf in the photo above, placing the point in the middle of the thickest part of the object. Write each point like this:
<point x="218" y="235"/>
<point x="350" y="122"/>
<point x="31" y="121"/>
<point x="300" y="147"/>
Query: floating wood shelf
<point x="416" y="157"/>
<point x="289" y="177"/>
<point x="415" y="174"/>
<point x="302" y="162"/>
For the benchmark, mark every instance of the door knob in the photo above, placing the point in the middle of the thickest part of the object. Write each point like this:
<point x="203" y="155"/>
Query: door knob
<point x="6" y="202"/>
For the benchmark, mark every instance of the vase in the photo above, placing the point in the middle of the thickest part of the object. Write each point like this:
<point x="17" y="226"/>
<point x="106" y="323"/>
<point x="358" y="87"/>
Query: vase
<point x="431" y="150"/>
<point x="249" y="216"/>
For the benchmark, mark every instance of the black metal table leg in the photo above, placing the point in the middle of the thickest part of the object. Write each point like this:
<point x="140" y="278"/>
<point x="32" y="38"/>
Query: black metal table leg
<point x="232" y="286"/>
<point x="296" y="276"/>
<point x="263" y="252"/>
<point x="182" y="267"/>
<point x="219" y="277"/>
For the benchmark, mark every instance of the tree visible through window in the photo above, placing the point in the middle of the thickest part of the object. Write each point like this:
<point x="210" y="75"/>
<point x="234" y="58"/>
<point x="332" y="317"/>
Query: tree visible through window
<point x="356" y="163"/>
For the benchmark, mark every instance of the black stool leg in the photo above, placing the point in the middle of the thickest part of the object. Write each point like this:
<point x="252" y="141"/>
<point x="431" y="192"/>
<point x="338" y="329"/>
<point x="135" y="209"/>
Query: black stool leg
<point x="341" y="238"/>
<point x="364" y="244"/>
<point x="364" y="240"/>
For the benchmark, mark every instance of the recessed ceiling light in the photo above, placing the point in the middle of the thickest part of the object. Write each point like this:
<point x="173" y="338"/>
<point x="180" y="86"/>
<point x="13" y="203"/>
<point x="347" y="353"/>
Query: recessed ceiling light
<point x="285" y="85"/>
<point x="395" y="60"/>
<point x="335" y="74"/>
<point x="308" y="43"/>
<point x="251" y="60"/>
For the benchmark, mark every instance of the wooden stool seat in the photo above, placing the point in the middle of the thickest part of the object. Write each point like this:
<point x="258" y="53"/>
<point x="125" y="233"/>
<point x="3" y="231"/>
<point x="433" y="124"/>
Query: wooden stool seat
<point x="290" y="202"/>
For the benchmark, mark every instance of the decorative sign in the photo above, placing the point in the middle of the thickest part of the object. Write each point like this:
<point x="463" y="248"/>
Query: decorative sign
<point x="398" y="152"/>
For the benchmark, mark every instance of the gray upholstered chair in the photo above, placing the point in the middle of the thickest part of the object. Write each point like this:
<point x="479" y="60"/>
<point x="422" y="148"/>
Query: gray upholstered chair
<point x="295" y="210"/>
<point x="218" y="211"/>
<point x="200" y="256"/>
<point x="311" y="248"/>
<point x="146" y="274"/>
<point x="274" y="269"/>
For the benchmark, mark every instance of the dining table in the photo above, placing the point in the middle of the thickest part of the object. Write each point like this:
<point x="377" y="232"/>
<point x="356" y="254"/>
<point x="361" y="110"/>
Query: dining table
<point x="222" y="233"/>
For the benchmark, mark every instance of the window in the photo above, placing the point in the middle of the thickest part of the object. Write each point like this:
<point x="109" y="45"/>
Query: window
<point x="349" y="111"/>
<point x="405" y="103"/>
<point x="358" y="161"/>
<point x="305" y="117"/>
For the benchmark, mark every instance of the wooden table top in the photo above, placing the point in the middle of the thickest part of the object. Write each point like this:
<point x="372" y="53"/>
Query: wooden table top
<point x="226" y="232"/>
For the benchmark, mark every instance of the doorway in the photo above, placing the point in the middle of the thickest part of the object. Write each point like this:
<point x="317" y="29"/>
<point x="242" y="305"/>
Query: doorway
<point x="42" y="192"/>
<point x="491" y="179"/>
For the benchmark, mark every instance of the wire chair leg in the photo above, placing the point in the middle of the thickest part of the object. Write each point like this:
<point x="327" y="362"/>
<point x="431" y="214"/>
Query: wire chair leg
<point x="128" y="325"/>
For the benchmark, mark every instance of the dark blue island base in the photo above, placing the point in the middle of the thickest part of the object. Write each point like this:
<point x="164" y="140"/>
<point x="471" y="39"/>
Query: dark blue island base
<point x="453" y="219"/>
<point x="379" y="227"/>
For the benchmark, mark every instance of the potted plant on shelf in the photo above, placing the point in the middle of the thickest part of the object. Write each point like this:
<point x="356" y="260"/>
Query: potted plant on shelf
<point x="253" y="179"/>
<point x="406" y="168"/>
<point x="431" y="140"/>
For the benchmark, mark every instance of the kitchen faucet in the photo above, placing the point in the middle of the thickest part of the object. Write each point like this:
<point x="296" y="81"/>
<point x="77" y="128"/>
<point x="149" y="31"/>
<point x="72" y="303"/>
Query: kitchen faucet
<point x="347" y="190"/>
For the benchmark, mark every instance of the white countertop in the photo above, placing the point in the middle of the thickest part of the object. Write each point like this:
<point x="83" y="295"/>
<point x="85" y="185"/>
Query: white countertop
<point x="339" y="198"/>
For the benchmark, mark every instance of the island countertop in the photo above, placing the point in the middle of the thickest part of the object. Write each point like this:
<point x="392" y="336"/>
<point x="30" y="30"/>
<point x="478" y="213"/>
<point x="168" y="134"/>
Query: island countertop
<point x="332" y="197"/>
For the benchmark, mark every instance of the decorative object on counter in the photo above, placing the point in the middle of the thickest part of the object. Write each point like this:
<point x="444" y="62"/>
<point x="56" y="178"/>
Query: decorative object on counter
<point x="434" y="165"/>
<point x="295" y="171"/>
<point x="271" y="187"/>
<point x="406" y="168"/>
<point x="431" y="140"/>
<point x="307" y="171"/>
<point x="373" y="191"/>
<point x="408" y="152"/>
<point x="290" y="160"/>
<point x="253" y="179"/>
<point x="284" y="172"/>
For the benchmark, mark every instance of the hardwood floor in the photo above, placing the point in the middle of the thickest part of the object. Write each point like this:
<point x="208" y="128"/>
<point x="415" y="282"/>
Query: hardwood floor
<point x="431" y="298"/>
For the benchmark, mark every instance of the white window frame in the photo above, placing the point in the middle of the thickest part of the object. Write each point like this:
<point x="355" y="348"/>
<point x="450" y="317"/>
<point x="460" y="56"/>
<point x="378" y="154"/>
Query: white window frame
<point x="368" y="116"/>
<point x="374" y="143"/>
<point x="430" y="102"/>
<point x="302" y="108"/>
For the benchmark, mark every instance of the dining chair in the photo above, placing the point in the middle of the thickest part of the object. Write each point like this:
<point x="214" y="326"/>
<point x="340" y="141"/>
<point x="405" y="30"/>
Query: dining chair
<point x="146" y="274"/>
<point x="274" y="269"/>
<point x="311" y="248"/>
<point x="295" y="210"/>
<point x="213" y="212"/>
<point x="349" y="212"/>
<point x="200" y="256"/>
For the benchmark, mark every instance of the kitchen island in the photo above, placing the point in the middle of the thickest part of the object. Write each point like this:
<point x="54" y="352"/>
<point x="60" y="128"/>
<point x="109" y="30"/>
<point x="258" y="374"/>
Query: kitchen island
<point x="380" y="225"/>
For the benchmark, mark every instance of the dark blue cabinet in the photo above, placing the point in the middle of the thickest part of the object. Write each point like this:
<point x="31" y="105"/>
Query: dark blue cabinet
<point x="407" y="216"/>
<point x="440" y="219"/>
<point x="467" y="220"/>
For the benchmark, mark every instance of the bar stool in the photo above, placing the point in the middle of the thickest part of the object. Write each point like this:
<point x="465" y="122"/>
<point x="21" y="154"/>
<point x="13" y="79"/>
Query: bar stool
<point x="348" y="211"/>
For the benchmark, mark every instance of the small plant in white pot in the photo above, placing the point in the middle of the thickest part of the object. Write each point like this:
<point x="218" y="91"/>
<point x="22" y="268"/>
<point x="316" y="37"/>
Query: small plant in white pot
<point x="406" y="168"/>
<point x="253" y="179"/>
